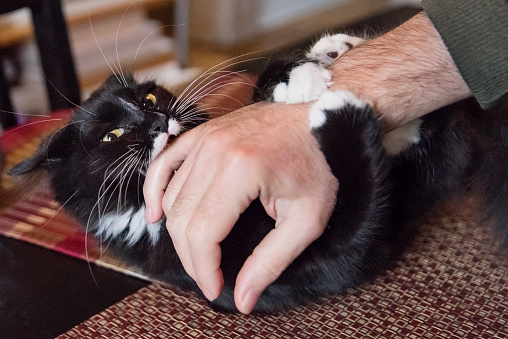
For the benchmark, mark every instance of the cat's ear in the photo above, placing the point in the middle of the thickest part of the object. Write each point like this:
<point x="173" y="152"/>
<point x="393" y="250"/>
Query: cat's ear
<point x="115" y="80"/>
<point x="47" y="153"/>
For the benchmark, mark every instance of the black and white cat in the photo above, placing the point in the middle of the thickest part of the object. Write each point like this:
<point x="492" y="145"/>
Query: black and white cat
<point x="97" y="165"/>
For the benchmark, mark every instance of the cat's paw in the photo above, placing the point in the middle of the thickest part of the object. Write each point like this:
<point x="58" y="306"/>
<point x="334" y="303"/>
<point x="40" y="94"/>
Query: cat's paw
<point x="280" y="92"/>
<point x="332" y="101"/>
<point x="401" y="138"/>
<point x="331" y="47"/>
<point x="306" y="83"/>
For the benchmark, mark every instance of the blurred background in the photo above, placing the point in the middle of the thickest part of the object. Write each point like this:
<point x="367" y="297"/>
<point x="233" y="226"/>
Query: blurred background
<point x="174" y="41"/>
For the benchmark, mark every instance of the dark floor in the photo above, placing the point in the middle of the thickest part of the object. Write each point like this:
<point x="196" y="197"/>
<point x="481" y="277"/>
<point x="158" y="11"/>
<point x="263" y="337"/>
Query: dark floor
<point x="44" y="293"/>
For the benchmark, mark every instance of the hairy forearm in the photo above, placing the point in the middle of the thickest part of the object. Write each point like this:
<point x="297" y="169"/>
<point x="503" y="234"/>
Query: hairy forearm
<point x="404" y="73"/>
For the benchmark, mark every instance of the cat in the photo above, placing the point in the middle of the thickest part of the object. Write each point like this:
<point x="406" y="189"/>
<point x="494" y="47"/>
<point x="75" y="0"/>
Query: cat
<point x="97" y="164"/>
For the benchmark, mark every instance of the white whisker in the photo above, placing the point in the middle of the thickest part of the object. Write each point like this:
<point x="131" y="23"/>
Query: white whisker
<point x="148" y="35"/>
<point x="30" y="123"/>
<point x="101" y="51"/>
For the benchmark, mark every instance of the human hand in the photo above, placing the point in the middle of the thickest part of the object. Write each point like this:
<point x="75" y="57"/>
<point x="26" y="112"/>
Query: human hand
<point x="263" y="150"/>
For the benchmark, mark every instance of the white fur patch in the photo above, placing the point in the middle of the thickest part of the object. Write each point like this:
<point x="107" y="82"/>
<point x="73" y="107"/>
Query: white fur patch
<point x="402" y="137"/>
<point x="331" y="100"/>
<point x="331" y="43"/>
<point x="280" y="92"/>
<point x="158" y="144"/>
<point x="112" y="225"/>
<point x="307" y="82"/>
<point x="174" y="127"/>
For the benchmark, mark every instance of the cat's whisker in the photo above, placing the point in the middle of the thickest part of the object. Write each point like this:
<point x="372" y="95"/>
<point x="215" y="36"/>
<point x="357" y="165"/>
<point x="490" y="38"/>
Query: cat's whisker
<point x="109" y="173"/>
<point x="221" y="94"/>
<point x="68" y="100"/>
<point x="102" y="52"/>
<point x="128" y="169"/>
<point x="81" y="137"/>
<point x="144" y="167"/>
<point x="207" y="75"/>
<point x="102" y="189"/>
<point x="202" y="112"/>
<point x="58" y="210"/>
<point x="207" y="90"/>
<point x="30" y="123"/>
<point x="55" y="132"/>
<point x="120" y="178"/>
<point x="26" y="114"/>
<point x="194" y="97"/>
<point x="122" y="76"/>
<point x="148" y="35"/>
<point x="183" y="99"/>
<point x="133" y="169"/>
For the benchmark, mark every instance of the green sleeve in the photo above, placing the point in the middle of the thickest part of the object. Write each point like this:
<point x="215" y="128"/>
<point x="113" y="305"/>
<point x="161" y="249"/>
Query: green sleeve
<point x="476" y="34"/>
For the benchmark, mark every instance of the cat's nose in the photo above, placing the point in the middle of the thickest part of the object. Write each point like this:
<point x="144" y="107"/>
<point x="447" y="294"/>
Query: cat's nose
<point x="158" y="127"/>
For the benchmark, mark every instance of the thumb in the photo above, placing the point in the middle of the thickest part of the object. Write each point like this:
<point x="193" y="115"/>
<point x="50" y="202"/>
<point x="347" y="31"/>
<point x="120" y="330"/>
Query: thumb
<point x="161" y="171"/>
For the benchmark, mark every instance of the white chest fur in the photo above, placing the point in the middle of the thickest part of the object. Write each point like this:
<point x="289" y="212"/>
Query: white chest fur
<point x="112" y="225"/>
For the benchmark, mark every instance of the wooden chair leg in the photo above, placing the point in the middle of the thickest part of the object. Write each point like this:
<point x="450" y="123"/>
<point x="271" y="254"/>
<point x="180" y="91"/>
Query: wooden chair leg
<point x="7" y="119"/>
<point x="56" y="57"/>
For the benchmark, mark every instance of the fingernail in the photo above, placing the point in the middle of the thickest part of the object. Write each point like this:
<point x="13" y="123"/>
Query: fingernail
<point x="249" y="301"/>
<point x="206" y="292"/>
<point x="149" y="216"/>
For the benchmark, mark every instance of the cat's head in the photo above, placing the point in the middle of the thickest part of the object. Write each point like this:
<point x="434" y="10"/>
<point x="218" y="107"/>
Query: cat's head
<point x="97" y="161"/>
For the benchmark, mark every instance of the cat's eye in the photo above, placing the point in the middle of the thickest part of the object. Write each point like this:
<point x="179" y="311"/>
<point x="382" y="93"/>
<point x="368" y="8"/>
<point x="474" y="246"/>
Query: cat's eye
<point x="114" y="134"/>
<point x="150" y="100"/>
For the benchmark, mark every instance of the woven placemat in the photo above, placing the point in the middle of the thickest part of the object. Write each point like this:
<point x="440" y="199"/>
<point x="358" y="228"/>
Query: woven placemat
<point x="450" y="283"/>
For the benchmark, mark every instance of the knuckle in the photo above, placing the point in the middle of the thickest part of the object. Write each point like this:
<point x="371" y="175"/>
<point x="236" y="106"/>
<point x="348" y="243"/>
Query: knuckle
<point x="315" y="226"/>
<point x="181" y="207"/>
<point x="167" y="204"/>
<point x="314" y="230"/>
<point x="215" y="138"/>
<point x="271" y="269"/>
<point x="240" y="159"/>
<point x="196" y="233"/>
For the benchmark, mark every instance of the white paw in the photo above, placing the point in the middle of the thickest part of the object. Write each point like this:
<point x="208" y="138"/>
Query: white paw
<point x="402" y="137"/>
<point x="331" y="101"/>
<point x="307" y="82"/>
<point x="280" y="92"/>
<point x="330" y="47"/>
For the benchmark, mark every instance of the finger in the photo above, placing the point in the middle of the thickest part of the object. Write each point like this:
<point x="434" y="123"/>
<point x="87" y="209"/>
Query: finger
<point x="228" y="196"/>
<point x="185" y="192"/>
<point x="160" y="172"/>
<point x="269" y="259"/>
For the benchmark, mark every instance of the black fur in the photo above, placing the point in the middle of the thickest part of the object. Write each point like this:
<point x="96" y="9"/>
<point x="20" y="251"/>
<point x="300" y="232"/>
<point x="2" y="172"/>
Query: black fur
<point x="379" y="203"/>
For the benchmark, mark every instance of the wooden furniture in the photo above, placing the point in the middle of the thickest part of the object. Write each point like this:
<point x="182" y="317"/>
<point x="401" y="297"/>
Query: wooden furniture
<point x="56" y="59"/>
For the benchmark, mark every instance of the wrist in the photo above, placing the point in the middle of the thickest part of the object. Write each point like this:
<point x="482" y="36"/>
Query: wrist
<point x="404" y="73"/>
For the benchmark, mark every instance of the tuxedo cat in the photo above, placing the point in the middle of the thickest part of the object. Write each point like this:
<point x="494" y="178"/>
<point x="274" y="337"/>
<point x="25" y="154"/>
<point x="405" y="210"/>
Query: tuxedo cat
<point x="97" y="165"/>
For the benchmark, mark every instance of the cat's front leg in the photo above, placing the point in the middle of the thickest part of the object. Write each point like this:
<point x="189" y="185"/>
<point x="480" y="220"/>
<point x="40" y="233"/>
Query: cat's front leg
<point x="308" y="81"/>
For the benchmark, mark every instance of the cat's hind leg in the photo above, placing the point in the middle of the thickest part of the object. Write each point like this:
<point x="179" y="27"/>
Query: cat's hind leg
<point x="349" y="136"/>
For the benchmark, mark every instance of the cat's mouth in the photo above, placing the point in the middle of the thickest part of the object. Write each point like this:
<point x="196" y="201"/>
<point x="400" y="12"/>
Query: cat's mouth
<point x="158" y="145"/>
